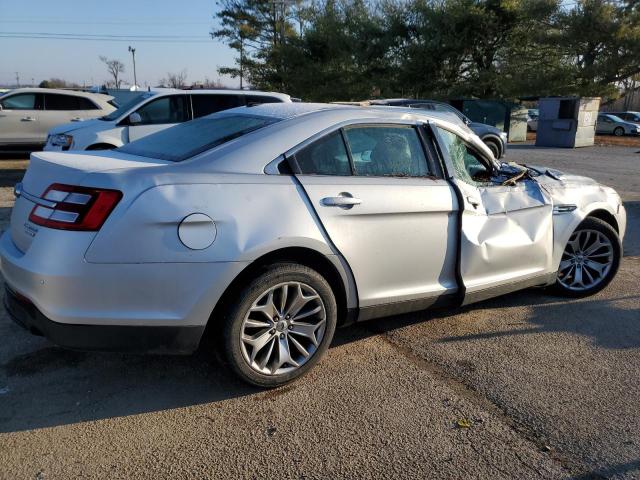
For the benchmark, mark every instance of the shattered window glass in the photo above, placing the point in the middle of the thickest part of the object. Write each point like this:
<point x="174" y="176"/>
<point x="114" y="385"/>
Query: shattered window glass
<point x="466" y="164"/>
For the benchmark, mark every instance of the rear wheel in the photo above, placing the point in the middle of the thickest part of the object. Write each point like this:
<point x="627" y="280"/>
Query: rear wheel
<point x="590" y="260"/>
<point x="618" y="131"/>
<point x="281" y="325"/>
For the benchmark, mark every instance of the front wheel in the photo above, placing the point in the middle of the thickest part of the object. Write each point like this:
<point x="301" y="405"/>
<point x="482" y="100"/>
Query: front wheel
<point x="618" y="132"/>
<point x="495" y="149"/>
<point x="281" y="325"/>
<point x="590" y="260"/>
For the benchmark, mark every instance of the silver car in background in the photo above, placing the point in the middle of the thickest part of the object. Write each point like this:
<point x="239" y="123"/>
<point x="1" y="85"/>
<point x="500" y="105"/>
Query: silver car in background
<point x="272" y="225"/>
<point x="608" y="123"/>
<point x="27" y="114"/>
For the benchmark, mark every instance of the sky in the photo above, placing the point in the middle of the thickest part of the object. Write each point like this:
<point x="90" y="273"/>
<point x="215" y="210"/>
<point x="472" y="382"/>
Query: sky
<point x="168" y="36"/>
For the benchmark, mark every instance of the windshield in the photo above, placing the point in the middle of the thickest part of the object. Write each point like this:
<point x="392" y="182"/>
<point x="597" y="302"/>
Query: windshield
<point x="127" y="106"/>
<point x="191" y="138"/>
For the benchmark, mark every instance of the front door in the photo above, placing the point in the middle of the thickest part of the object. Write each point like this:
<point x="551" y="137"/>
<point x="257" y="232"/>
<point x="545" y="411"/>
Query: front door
<point x="158" y="114"/>
<point x="384" y="210"/>
<point x="506" y="238"/>
<point x="20" y="119"/>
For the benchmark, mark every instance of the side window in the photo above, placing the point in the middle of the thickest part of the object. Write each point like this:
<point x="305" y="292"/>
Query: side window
<point x="467" y="164"/>
<point x="386" y="151"/>
<point x="327" y="156"/>
<point x="54" y="101"/>
<point x="169" y="109"/>
<point x="23" y="101"/>
<point x="206" y="104"/>
<point x="260" y="99"/>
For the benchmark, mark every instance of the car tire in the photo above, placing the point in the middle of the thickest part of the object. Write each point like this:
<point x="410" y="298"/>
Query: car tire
<point x="494" y="147"/>
<point x="597" y="265"/>
<point x="259" y="321"/>
<point x="618" y="131"/>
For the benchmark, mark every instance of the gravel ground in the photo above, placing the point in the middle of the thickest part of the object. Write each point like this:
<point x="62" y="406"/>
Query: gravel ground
<point x="549" y="389"/>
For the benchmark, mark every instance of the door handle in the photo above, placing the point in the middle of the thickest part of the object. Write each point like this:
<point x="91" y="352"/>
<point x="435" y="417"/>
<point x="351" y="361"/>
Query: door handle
<point x="344" y="200"/>
<point x="28" y="119"/>
<point x="473" y="201"/>
<point x="76" y="119"/>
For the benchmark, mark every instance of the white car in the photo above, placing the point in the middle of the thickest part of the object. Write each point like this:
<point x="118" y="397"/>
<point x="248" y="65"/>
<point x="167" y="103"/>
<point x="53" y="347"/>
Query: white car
<point x="151" y="112"/>
<point x="271" y="225"/>
<point x="27" y="114"/>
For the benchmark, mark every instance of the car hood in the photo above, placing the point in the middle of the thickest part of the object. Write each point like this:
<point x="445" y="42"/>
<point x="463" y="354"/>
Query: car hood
<point x="71" y="126"/>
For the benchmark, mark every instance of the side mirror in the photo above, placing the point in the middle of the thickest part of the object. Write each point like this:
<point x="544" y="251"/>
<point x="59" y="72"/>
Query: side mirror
<point x="135" y="118"/>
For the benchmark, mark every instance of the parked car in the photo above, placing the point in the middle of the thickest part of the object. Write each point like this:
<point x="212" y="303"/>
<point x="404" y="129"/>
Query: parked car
<point x="608" y="123"/>
<point x="633" y="117"/>
<point x="151" y="112"/>
<point x="532" y="119"/>
<point x="271" y="225"/>
<point x="27" y="114"/>
<point x="495" y="138"/>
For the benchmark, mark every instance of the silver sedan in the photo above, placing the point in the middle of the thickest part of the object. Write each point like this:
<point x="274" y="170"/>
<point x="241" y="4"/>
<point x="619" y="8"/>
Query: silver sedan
<point x="272" y="225"/>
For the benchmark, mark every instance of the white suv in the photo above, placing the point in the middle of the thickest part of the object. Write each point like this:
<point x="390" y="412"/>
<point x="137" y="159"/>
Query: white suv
<point x="27" y="114"/>
<point x="149" y="113"/>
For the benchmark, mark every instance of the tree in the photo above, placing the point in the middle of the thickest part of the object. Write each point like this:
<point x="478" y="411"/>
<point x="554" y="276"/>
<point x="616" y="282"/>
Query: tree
<point x="600" y="41"/>
<point x="115" y="68"/>
<point x="175" y="80"/>
<point x="258" y="30"/>
<point x="57" y="83"/>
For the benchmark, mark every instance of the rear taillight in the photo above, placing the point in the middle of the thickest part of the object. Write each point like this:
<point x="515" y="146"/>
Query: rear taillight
<point x="75" y="208"/>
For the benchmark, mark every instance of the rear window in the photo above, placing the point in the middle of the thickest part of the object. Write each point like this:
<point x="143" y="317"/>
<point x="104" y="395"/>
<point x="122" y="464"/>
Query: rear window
<point x="191" y="138"/>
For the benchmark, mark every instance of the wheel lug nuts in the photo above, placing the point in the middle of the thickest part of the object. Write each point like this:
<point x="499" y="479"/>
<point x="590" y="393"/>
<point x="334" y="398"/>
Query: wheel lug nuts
<point x="290" y="327"/>
<point x="272" y="331"/>
<point x="282" y="335"/>
<point x="288" y="317"/>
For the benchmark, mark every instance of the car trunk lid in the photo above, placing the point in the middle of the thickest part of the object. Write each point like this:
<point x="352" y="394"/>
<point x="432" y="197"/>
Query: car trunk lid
<point x="47" y="168"/>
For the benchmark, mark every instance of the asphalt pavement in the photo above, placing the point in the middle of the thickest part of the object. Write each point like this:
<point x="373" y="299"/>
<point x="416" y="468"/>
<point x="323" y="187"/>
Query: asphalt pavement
<point x="522" y="386"/>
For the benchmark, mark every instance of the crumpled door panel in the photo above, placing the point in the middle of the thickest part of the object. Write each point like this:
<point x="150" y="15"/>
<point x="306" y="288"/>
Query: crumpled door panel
<point x="508" y="237"/>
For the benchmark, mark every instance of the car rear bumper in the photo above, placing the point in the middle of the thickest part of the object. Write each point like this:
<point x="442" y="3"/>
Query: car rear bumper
<point x="153" y="339"/>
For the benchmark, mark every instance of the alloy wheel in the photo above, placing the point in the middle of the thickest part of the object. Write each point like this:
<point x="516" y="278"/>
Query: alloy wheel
<point x="586" y="261"/>
<point x="283" y="328"/>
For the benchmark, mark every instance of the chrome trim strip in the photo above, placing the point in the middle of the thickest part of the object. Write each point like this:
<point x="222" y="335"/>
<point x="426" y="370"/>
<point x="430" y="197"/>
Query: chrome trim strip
<point x="19" y="192"/>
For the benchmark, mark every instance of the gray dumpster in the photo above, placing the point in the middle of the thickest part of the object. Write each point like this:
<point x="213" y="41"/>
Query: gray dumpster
<point x="567" y="121"/>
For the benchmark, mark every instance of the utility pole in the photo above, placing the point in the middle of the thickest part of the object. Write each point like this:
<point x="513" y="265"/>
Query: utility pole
<point x="133" y="54"/>
<point x="18" y="79"/>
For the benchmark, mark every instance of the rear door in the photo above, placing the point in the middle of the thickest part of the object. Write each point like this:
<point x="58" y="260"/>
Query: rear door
<point x="506" y="230"/>
<point x="158" y="114"/>
<point x="385" y="209"/>
<point x="60" y="108"/>
<point x="20" y="119"/>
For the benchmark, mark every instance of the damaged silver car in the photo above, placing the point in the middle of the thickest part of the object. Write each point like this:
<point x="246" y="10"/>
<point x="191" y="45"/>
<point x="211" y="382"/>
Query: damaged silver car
<point x="272" y="225"/>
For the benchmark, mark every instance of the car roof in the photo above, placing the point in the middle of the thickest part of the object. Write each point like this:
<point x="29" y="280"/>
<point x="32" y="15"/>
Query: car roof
<point x="220" y="91"/>
<point x="63" y="91"/>
<point x="407" y="100"/>
<point x="284" y="111"/>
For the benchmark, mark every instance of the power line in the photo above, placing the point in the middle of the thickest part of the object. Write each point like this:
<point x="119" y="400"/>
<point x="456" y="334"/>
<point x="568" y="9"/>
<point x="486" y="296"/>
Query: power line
<point x="108" y="35"/>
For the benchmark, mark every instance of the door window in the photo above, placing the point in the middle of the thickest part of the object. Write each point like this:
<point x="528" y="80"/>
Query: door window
<point x="169" y="109"/>
<point x="54" y="101"/>
<point x="467" y="164"/>
<point x="23" y="101"/>
<point x="386" y="151"/>
<point x="327" y="156"/>
<point x="207" y="104"/>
